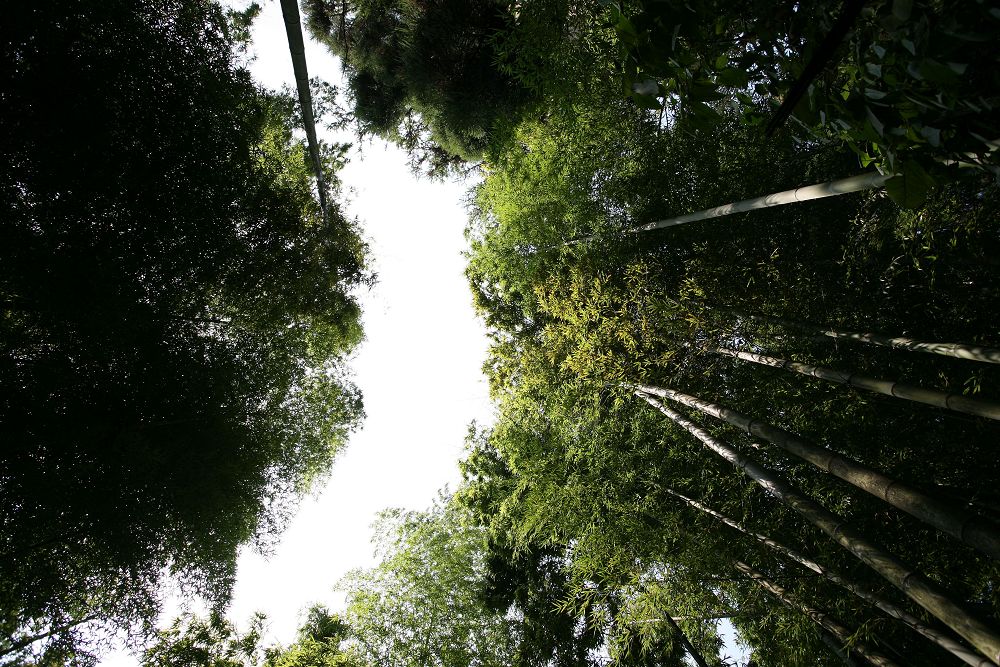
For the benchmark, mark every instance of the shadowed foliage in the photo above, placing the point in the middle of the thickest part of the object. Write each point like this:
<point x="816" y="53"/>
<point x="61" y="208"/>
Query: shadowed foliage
<point x="174" y="311"/>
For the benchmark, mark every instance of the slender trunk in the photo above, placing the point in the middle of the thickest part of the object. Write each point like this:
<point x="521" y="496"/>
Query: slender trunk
<point x="805" y="193"/>
<point x="684" y="640"/>
<point x="818" y="617"/>
<point x="705" y="617"/>
<point x="967" y="656"/>
<point x="972" y="529"/>
<point x="822" y="58"/>
<point x="297" y="49"/>
<point x="940" y="399"/>
<point x="24" y="642"/>
<point x="919" y="589"/>
<point x="987" y="355"/>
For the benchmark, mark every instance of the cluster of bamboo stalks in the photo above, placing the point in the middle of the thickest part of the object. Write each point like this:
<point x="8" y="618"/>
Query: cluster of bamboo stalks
<point x="975" y="531"/>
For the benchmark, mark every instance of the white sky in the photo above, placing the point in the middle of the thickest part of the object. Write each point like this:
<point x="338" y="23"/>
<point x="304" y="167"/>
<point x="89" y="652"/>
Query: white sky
<point x="419" y="367"/>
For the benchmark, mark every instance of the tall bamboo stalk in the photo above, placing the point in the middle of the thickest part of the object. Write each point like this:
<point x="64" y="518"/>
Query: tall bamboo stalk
<point x="968" y="527"/>
<point x="987" y="355"/>
<point x="840" y="186"/>
<point x="822" y="619"/>
<point x="697" y="657"/>
<point x="940" y="399"/>
<point x="819" y="191"/>
<point x="297" y="49"/>
<point x="912" y="583"/>
<point x="966" y="655"/>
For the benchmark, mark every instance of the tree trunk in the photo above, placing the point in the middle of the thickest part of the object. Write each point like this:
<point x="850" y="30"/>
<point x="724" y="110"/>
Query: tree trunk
<point x="972" y="529"/>
<point x="297" y="49"/>
<point x="820" y="60"/>
<point x="919" y="589"/>
<point x="940" y="399"/>
<point x="687" y="644"/>
<point x="820" y="618"/>
<point x="967" y="655"/>
<point x="805" y="193"/>
<point x="987" y="355"/>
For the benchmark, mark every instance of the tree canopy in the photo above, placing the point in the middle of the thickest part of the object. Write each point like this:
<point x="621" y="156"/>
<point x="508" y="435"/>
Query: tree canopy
<point x="581" y="310"/>
<point x="424" y="74"/>
<point x="213" y="641"/>
<point x="684" y="430"/>
<point x="176" y="312"/>
<point x="421" y="604"/>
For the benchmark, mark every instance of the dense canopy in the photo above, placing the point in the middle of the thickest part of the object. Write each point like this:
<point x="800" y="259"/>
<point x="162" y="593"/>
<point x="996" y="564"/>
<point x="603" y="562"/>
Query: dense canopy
<point x="175" y="311"/>
<point x="782" y="421"/>
<point x="424" y="74"/>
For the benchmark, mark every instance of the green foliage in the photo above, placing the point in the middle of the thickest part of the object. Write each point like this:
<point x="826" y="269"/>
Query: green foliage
<point x="575" y="472"/>
<point x="904" y="85"/>
<point x="423" y="74"/>
<point x="918" y="82"/>
<point x="421" y="605"/>
<point x="322" y="642"/>
<point x="175" y="313"/>
<point x="194" y="641"/>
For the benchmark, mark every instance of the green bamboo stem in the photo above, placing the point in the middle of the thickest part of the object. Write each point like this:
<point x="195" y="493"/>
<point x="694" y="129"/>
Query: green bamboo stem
<point x="697" y="657"/>
<point x="974" y="530"/>
<point x="822" y="619"/>
<point x="987" y="355"/>
<point x="840" y="186"/>
<point x="297" y="49"/>
<point x="939" y="399"/>
<point x="965" y="654"/>
<point x="910" y="582"/>
<point x="819" y="191"/>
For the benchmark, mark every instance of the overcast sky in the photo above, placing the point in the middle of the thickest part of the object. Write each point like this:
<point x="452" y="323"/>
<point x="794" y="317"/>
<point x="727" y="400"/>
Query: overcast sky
<point x="419" y="367"/>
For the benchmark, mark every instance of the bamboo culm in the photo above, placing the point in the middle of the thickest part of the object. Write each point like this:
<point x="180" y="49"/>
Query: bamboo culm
<point x="913" y="584"/>
<point x="297" y="49"/>
<point x="840" y="186"/>
<point x="987" y="355"/>
<point x="820" y="618"/>
<point x="966" y="655"/>
<point x="940" y="399"/>
<point x="819" y="191"/>
<point x="974" y="530"/>
<point x="687" y="644"/>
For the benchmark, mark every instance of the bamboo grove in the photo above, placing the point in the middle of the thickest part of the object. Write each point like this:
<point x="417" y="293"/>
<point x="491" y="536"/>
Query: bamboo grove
<point x="776" y="448"/>
<point x="738" y="266"/>
<point x="787" y="414"/>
